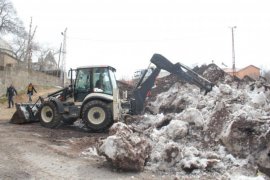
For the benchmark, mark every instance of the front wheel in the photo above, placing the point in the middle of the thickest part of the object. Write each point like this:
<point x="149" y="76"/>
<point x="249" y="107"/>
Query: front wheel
<point x="49" y="116"/>
<point x="97" y="115"/>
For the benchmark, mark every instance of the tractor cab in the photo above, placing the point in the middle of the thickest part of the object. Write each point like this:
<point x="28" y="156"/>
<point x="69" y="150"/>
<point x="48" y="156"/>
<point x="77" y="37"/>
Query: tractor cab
<point x="94" y="79"/>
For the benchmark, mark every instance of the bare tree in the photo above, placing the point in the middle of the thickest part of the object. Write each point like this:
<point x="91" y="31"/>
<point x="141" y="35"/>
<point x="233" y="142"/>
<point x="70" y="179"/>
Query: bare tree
<point x="30" y="46"/>
<point x="18" y="43"/>
<point x="42" y="52"/>
<point x="21" y="41"/>
<point x="9" y="21"/>
<point x="11" y="25"/>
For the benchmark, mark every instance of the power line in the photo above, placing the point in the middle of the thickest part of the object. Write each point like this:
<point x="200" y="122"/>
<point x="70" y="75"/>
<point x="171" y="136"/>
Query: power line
<point x="134" y="40"/>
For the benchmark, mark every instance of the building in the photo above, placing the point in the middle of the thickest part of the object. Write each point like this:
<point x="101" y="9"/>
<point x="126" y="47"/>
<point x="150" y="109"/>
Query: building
<point x="251" y="71"/>
<point x="7" y="57"/>
<point x="46" y="64"/>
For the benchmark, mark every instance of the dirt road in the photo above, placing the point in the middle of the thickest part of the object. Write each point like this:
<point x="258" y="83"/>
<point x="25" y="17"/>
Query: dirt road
<point x="31" y="151"/>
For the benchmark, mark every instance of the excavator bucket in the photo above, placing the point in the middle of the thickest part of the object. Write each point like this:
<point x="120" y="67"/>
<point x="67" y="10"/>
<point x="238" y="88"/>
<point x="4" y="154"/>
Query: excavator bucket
<point x="28" y="112"/>
<point x="25" y="113"/>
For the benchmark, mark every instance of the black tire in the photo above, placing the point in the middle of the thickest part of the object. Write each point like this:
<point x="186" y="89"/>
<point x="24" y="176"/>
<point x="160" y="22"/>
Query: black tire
<point x="49" y="116"/>
<point x="69" y="121"/>
<point x="97" y="116"/>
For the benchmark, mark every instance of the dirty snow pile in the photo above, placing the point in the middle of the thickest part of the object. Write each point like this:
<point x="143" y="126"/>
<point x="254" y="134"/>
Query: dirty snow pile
<point x="124" y="149"/>
<point x="223" y="134"/>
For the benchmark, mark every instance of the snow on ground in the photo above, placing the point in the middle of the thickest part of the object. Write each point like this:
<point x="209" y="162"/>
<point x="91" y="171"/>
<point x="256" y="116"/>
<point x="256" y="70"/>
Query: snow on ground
<point x="224" y="134"/>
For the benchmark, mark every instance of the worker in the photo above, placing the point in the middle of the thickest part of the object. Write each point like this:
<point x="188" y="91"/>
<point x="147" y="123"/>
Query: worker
<point x="30" y="91"/>
<point x="100" y="82"/>
<point x="11" y="91"/>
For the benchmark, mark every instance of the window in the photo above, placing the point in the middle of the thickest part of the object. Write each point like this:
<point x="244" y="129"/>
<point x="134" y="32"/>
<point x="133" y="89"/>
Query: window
<point x="112" y="75"/>
<point x="101" y="79"/>
<point x="83" y="79"/>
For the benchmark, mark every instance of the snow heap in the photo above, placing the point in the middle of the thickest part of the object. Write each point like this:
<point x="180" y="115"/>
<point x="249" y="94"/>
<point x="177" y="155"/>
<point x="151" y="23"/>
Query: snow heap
<point x="124" y="149"/>
<point x="221" y="133"/>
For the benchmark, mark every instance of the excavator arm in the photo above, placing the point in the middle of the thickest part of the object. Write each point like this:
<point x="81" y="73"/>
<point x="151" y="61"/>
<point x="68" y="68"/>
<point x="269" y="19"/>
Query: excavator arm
<point x="143" y="87"/>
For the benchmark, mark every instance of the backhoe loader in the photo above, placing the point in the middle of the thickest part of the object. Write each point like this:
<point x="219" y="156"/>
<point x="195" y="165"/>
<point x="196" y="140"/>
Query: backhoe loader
<point x="94" y="96"/>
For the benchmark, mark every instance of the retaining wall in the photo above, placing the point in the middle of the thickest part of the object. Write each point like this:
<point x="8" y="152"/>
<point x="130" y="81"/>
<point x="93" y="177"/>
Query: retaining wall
<point x="21" y="77"/>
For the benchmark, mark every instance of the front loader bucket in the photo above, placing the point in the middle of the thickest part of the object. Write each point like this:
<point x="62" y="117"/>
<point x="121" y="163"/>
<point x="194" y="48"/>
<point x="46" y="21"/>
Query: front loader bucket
<point x="25" y="113"/>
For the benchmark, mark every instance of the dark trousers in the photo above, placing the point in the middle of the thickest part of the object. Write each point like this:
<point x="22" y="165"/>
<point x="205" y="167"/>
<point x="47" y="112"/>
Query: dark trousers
<point x="10" y="101"/>
<point x="30" y="94"/>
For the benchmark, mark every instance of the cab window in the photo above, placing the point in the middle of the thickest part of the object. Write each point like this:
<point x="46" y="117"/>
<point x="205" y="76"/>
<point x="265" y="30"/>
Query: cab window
<point x="101" y="80"/>
<point x="83" y="80"/>
<point x="113" y="79"/>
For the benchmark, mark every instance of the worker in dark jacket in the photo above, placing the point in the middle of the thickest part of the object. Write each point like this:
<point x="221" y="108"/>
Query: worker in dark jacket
<point x="11" y="92"/>
<point x="30" y="91"/>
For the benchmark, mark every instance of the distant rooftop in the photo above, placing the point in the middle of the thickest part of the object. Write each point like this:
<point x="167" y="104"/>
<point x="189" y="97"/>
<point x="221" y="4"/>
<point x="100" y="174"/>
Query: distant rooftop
<point x="4" y="45"/>
<point x="6" y="48"/>
<point x="230" y="70"/>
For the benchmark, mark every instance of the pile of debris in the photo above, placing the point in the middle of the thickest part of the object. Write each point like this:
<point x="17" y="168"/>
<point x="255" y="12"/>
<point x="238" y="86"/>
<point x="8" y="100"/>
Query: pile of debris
<point x="124" y="149"/>
<point x="222" y="134"/>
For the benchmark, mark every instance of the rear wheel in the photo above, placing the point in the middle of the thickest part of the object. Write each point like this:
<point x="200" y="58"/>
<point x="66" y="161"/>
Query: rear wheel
<point x="49" y="116"/>
<point x="97" y="115"/>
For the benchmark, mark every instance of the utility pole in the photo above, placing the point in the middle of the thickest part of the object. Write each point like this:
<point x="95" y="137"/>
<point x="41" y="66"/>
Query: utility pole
<point x="59" y="58"/>
<point x="64" y="57"/>
<point x="233" y="52"/>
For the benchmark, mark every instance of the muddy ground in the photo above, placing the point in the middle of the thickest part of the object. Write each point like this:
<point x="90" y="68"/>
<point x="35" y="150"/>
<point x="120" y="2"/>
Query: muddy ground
<point x="31" y="151"/>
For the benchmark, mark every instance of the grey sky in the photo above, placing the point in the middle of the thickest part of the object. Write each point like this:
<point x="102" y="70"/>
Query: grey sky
<point x="125" y="33"/>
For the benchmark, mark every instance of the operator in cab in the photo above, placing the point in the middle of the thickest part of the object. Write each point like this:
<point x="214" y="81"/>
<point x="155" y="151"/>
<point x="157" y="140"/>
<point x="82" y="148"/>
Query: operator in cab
<point x="100" y="81"/>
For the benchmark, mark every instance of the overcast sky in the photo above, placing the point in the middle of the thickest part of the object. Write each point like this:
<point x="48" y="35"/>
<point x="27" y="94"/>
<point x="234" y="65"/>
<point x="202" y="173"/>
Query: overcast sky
<point x="126" y="33"/>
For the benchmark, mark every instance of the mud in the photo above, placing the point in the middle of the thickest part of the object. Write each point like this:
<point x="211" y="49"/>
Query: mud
<point x="30" y="151"/>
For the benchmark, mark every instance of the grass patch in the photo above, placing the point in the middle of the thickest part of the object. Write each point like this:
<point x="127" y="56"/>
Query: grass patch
<point x="3" y="99"/>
